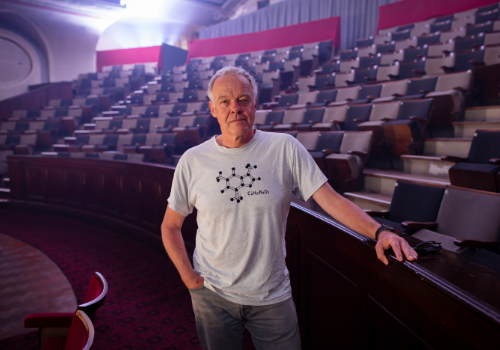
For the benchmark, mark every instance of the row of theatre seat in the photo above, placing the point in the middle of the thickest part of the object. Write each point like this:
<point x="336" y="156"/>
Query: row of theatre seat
<point x="461" y="219"/>
<point x="71" y="330"/>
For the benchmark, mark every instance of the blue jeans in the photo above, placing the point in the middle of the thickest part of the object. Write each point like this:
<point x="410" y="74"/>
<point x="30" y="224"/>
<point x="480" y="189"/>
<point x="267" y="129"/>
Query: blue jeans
<point x="220" y="323"/>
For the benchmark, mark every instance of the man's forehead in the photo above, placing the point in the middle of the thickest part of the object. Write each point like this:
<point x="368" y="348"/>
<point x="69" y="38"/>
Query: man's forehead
<point x="232" y="84"/>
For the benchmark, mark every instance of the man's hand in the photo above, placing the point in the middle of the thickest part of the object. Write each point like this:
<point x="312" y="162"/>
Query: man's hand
<point x="194" y="283"/>
<point x="388" y="240"/>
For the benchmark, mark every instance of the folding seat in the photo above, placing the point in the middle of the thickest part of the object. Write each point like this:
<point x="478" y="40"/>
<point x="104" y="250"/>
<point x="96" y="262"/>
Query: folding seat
<point x="420" y="30"/>
<point x="345" y="95"/>
<point x="286" y="101"/>
<point x="159" y="148"/>
<point x="325" y="50"/>
<point x="384" y="73"/>
<point x="308" y="139"/>
<point x="189" y="132"/>
<point x="487" y="8"/>
<point x="260" y="117"/>
<point x="356" y="114"/>
<point x="440" y="26"/>
<point x="331" y="68"/>
<point x="32" y="114"/>
<point x="492" y="38"/>
<point x="333" y="117"/>
<point x="290" y="118"/>
<point x="379" y="115"/>
<point x="469" y="42"/>
<point x="346" y="66"/>
<point x="433" y="66"/>
<point x="364" y="42"/>
<point x="400" y="35"/>
<point x="306" y="98"/>
<point x="449" y="96"/>
<point x="328" y="142"/>
<point x="342" y="78"/>
<point x="271" y="119"/>
<point x="345" y="169"/>
<point x="419" y="87"/>
<point x="383" y="48"/>
<point x="467" y="59"/>
<point x="269" y="86"/>
<point x="411" y="202"/>
<point x="479" y="28"/>
<point x="151" y="112"/>
<point x="19" y="114"/>
<point x="487" y="16"/>
<point x="453" y="34"/>
<point x="405" y="134"/>
<point x="405" y="44"/>
<point x="197" y="107"/>
<point x="392" y="90"/>
<point x="130" y="143"/>
<point x="492" y="55"/>
<point x="311" y="117"/>
<point x="62" y="324"/>
<point x="440" y="49"/>
<point x="428" y="39"/>
<point x="142" y="125"/>
<point x="101" y="143"/>
<point x="382" y="38"/>
<point x="9" y="142"/>
<point x="403" y="28"/>
<point x="305" y="84"/>
<point x="467" y="219"/>
<point x="391" y="57"/>
<point x="138" y="110"/>
<point x="444" y="19"/>
<point x="411" y="69"/>
<point x="347" y="55"/>
<point x="367" y="51"/>
<point x="479" y="169"/>
<point x="324" y="82"/>
<point x="323" y="98"/>
<point x="8" y="127"/>
<point x="368" y="62"/>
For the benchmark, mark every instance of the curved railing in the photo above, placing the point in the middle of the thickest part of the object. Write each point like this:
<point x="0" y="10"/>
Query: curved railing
<point x="345" y="297"/>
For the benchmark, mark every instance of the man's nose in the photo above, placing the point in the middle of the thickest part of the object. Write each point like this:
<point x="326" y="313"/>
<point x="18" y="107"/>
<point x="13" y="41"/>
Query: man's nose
<point x="235" y="107"/>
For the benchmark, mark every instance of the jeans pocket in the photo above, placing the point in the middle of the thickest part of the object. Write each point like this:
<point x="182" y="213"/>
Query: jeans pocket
<point x="196" y="289"/>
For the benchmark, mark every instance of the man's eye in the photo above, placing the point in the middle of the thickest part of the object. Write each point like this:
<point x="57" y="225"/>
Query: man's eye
<point x="243" y="101"/>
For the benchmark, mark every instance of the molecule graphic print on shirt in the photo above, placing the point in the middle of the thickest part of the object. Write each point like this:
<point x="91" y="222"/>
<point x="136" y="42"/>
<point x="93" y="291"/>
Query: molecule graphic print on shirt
<point x="235" y="182"/>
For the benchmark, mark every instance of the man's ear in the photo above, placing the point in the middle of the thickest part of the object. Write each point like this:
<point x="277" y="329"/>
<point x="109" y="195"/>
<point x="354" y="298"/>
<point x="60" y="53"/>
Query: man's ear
<point x="212" y="109"/>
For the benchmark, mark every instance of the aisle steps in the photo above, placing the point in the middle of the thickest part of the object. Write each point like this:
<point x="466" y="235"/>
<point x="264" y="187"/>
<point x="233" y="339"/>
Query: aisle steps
<point x="426" y="165"/>
<point x="467" y="129"/>
<point x="370" y="200"/>
<point x="458" y="147"/>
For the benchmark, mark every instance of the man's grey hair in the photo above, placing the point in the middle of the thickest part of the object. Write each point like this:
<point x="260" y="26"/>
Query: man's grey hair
<point x="234" y="71"/>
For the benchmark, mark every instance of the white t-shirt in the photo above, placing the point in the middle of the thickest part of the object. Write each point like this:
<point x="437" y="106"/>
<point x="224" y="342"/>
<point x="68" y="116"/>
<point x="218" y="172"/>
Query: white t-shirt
<point x="243" y="198"/>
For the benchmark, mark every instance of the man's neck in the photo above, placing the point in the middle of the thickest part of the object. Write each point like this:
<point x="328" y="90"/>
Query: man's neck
<point x="235" y="142"/>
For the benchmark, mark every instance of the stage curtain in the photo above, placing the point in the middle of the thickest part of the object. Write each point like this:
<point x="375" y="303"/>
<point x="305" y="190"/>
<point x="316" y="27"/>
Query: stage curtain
<point x="411" y="11"/>
<point x="358" y="18"/>
<point x="321" y="30"/>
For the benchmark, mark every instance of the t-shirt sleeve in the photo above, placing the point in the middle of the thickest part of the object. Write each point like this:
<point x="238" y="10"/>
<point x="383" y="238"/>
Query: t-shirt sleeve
<point x="179" y="193"/>
<point x="307" y="176"/>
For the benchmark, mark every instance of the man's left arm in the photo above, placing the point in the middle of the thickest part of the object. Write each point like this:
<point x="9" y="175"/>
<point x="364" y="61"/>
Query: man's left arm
<point x="350" y="215"/>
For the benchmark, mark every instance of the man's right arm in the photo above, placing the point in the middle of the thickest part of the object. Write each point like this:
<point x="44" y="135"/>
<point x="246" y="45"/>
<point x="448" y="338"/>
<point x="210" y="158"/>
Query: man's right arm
<point x="174" y="244"/>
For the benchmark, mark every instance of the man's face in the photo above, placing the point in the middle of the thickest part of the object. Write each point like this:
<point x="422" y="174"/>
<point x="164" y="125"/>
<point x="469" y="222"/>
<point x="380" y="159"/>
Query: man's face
<point x="233" y="105"/>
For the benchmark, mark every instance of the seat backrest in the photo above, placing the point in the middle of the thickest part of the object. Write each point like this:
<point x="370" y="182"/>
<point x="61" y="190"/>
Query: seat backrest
<point x="193" y="106"/>
<point x="436" y="49"/>
<point x="164" y="109"/>
<point x="367" y="62"/>
<point x="415" y="202"/>
<point x="366" y="51"/>
<point x="433" y="65"/>
<point x="123" y="140"/>
<point x="29" y="140"/>
<point x="304" y="83"/>
<point x="347" y="93"/>
<point x="469" y="42"/>
<point x="440" y="26"/>
<point x="394" y="87"/>
<point x="8" y="125"/>
<point x="267" y="77"/>
<point x="415" y="86"/>
<point x="335" y="113"/>
<point x="479" y="28"/>
<point x="330" y="140"/>
<point x="346" y="66"/>
<point x="47" y="113"/>
<point x="447" y="82"/>
<point x="400" y="35"/>
<point x="382" y="48"/>
<point x="156" y="123"/>
<point x="360" y="141"/>
<point x="384" y="71"/>
<point x="415" y="108"/>
<point x="369" y="90"/>
<point x="314" y="115"/>
<point x="138" y="139"/>
<point x="341" y="78"/>
<point x="384" y="110"/>
<point x="294" y="116"/>
<point x="485" y="145"/>
<point x="356" y="112"/>
<point x="428" y="39"/>
<point x="406" y="43"/>
<point x="110" y="139"/>
<point x="305" y="97"/>
<point x="287" y="100"/>
<point x="168" y="139"/>
<point x="326" y="96"/>
<point x="391" y="57"/>
<point x="364" y="42"/>
<point x="187" y="121"/>
<point x="288" y="65"/>
<point x="346" y="55"/>
<point x="469" y="214"/>
<point x="331" y="68"/>
<point x="308" y="139"/>
<point x="492" y="55"/>
<point x="463" y="59"/>
<point x="153" y="139"/>
<point x="96" y="295"/>
<point x="492" y="38"/>
<point x="129" y="123"/>
<point x="102" y="124"/>
<point x="406" y="68"/>
<point x="260" y="117"/>
<point x="275" y="117"/>
<point x="81" y="332"/>
<point x="139" y="110"/>
<point x="487" y="16"/>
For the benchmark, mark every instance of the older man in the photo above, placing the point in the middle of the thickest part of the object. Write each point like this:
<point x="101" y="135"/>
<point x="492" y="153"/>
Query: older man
<point x="241" y="183"/>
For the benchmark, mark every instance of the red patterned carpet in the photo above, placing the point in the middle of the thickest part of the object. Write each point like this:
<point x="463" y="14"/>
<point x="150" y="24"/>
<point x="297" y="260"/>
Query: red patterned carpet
<point x="147" y="306"/>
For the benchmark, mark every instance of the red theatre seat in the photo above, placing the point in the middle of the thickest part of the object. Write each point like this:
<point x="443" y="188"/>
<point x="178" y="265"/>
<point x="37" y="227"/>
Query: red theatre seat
<point x="58" y="324"/>
<point x="80" y="335"/>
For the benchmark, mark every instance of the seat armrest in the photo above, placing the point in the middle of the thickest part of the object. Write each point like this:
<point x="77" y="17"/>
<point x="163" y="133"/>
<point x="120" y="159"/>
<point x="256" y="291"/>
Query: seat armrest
<point x="311" y="87"/>
<point x="475" y="63"/>
<point x="397" y="95"/>
<point x="421" y="120"/>
<point x="461" y="89"/>
<point x="362" y="155"/>
<point x="350" y="82"/>
<point x="52" y="320"/>
<point x="393" y="77"/>
<point x="359" y="120"/>
<point x="454" y="159"/>
<point x="329" y="151"/>
<point x="469" y="243"/>
<point x="386" y="119"/>
<point x="419" y="73"/>
<point x="447" y="69"/>
<point x="412" y="225"/>
<point x="495" y="161"/>
<point x="378" y="214"/>
<point x="312" y="122"/>
<point x="425" y="92"/>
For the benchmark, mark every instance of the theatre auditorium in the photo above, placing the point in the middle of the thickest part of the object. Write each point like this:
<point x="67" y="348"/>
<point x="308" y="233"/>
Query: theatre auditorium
<point x="127" y="220"/>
